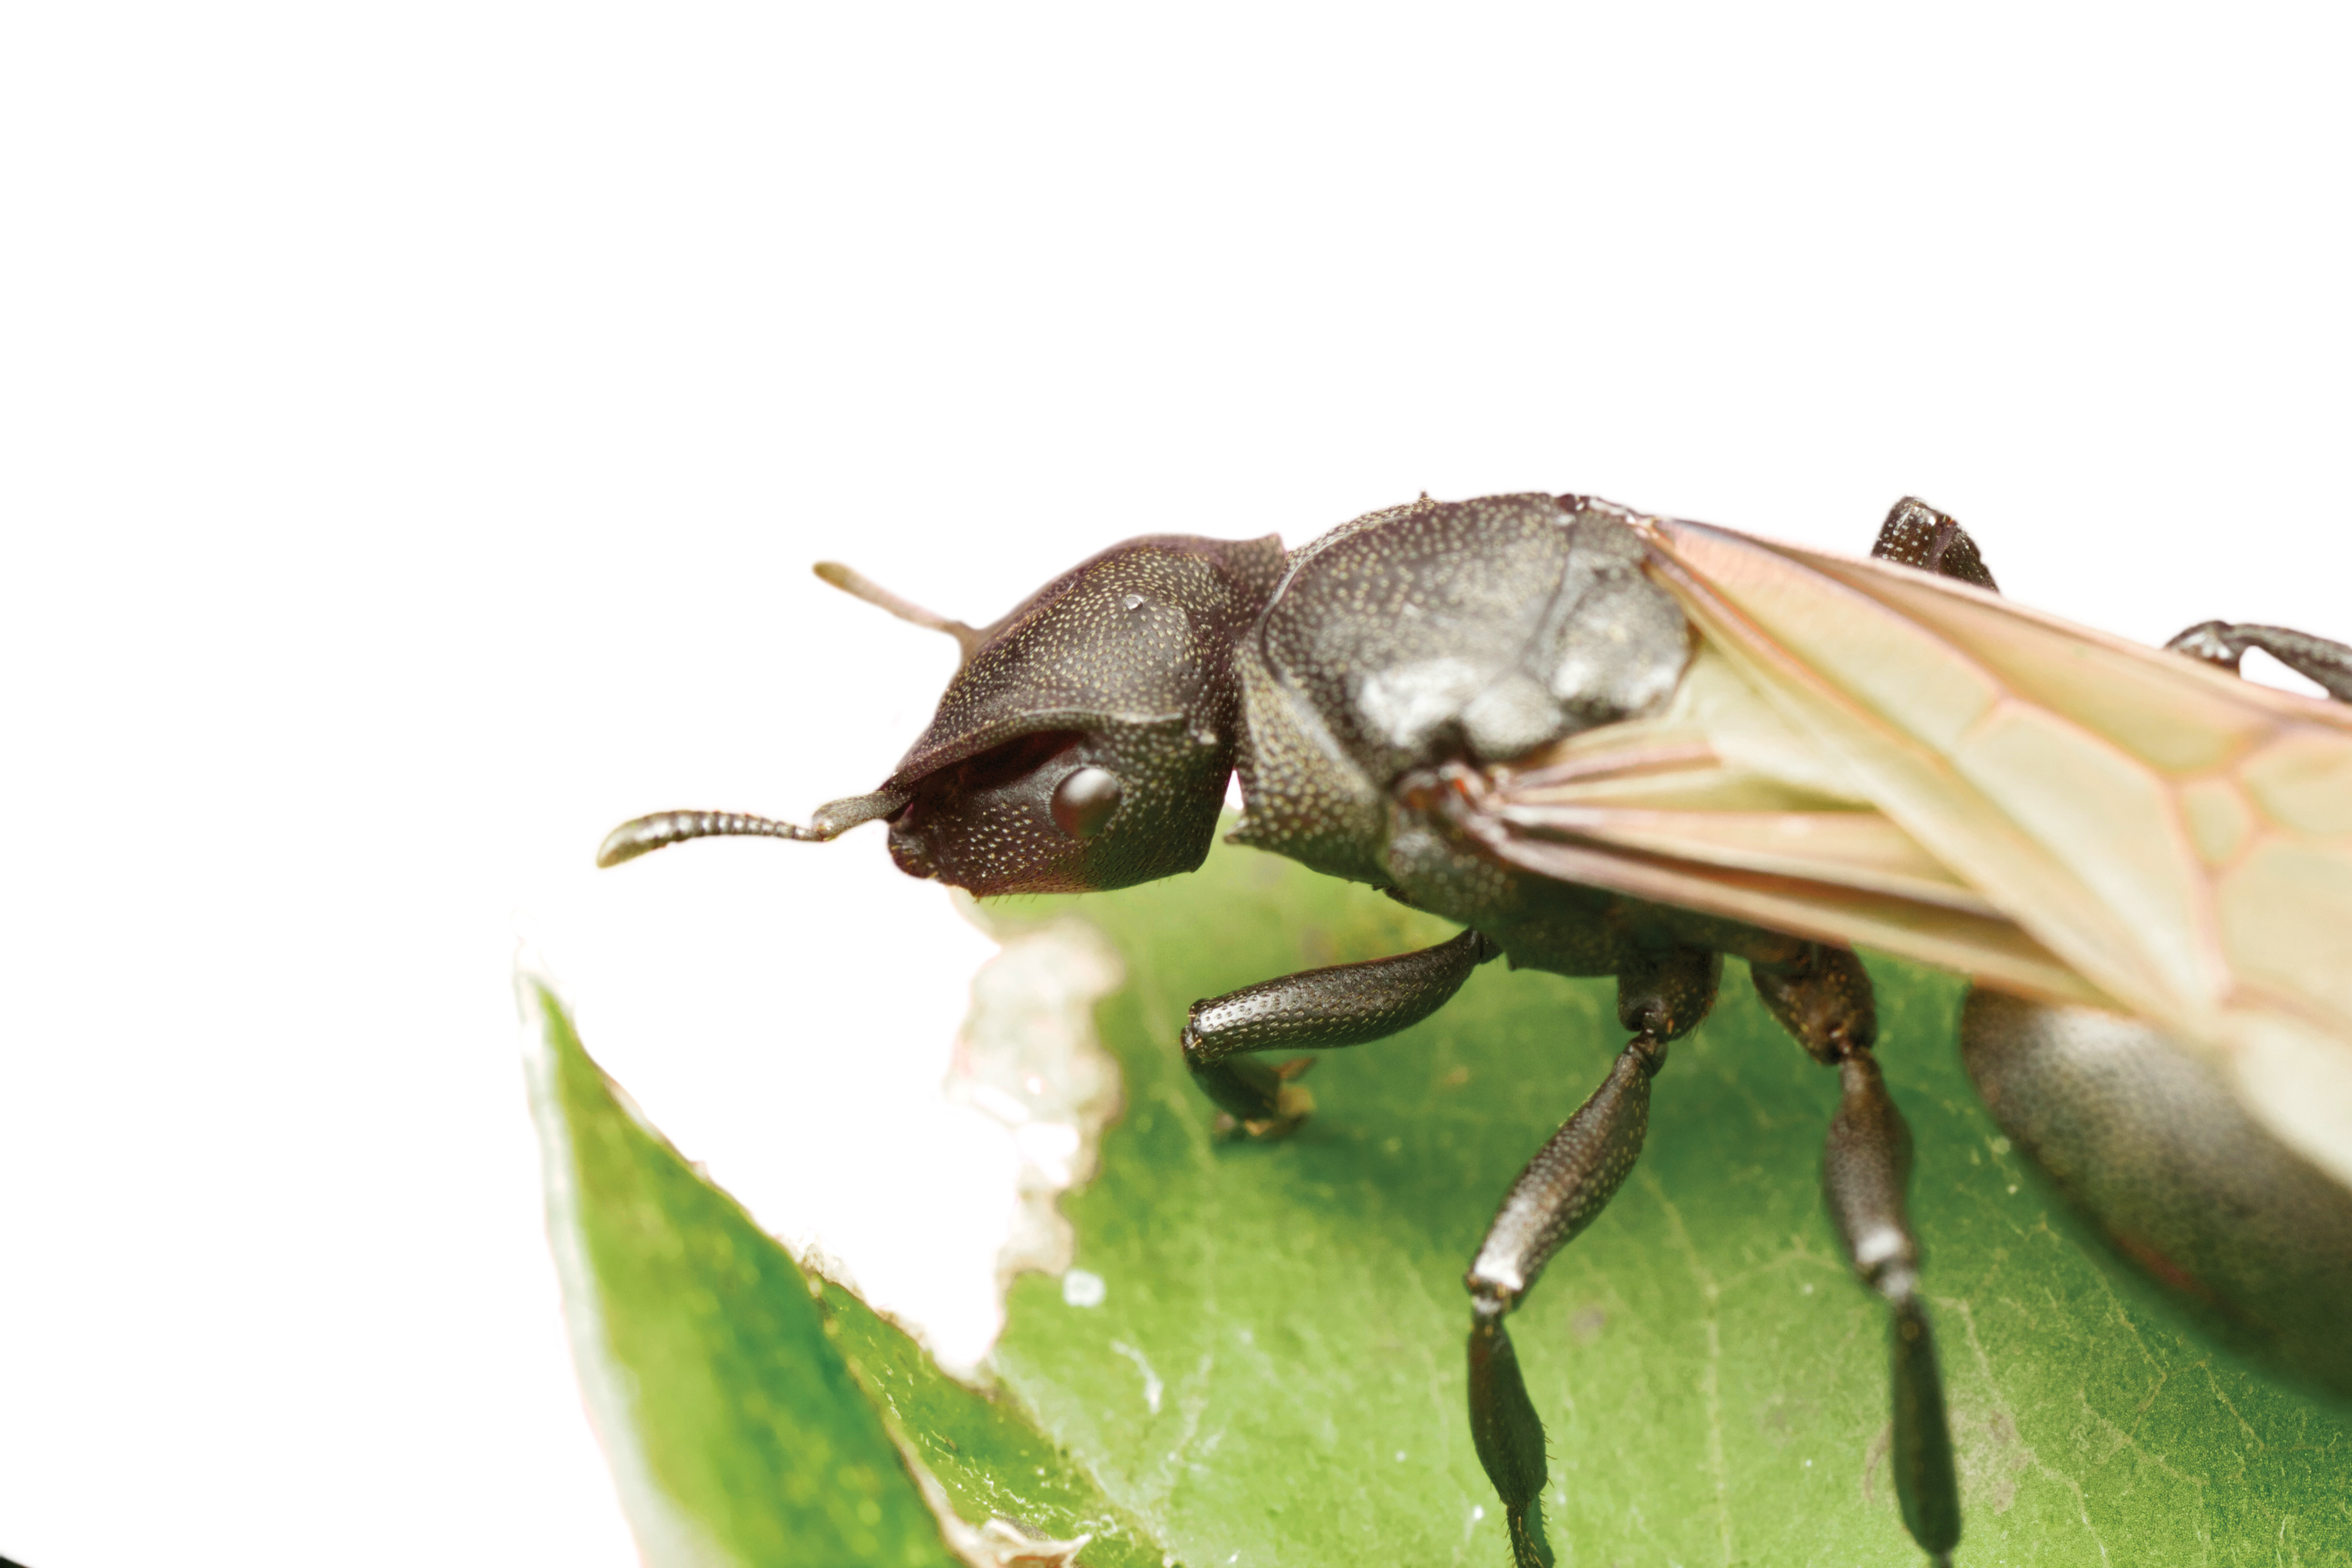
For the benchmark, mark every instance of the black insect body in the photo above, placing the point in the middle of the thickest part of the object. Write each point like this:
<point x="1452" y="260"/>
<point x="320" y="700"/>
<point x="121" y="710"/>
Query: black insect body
<point x="1583" y="734"/>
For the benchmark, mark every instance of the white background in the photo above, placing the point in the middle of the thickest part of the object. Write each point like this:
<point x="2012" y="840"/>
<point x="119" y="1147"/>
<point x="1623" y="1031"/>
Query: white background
<point x="416" y="422"/>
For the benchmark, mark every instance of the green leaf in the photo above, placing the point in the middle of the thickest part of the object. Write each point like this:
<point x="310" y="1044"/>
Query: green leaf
<point x="1260" y="1358"/>
<point x="733" y="1425"/>
<point x="748" y="1411"/>
<point x="987" y="1454"/>
<point x="1273" y="1370"/>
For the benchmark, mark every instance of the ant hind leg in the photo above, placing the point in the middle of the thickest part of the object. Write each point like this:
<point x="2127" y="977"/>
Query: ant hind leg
<point x="2314" y="658"/>
<point x="1821" y="995"/>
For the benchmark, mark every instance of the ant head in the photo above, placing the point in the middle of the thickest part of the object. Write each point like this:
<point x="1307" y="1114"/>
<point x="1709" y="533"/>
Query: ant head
<point x="1083" y="746"/>
<point x="1086" y="742"/>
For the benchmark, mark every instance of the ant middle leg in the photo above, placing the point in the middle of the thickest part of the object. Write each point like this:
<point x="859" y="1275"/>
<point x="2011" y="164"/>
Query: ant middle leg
<point x="1916" y="534"/>
<point x="1562" y="1191"/>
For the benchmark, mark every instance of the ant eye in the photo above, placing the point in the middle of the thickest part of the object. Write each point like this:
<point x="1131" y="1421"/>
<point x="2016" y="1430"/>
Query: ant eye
<point x="1084" y="800"/>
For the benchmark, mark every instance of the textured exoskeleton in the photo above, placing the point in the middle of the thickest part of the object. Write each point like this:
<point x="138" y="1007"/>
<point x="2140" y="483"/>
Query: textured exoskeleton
<point x="1612" y="744"/>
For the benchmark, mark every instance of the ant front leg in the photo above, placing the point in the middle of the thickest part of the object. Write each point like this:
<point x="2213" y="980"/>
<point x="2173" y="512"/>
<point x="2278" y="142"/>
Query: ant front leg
<point x="1562" y="1190"/>
<point x="1347" y="1005"/>
<point x="1821" y="995"/>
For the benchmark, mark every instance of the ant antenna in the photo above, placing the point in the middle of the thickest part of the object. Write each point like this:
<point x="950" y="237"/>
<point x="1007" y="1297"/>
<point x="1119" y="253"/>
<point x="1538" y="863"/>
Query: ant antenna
<point x="643" y="835"/>
<point x="860" y="586"/>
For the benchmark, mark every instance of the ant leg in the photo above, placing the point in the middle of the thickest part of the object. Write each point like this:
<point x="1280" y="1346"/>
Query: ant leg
<point x="1347" y="1005"/>
<point x="1562" y="1191"/>
<point x="1916" y="534"/>
<point x="1823" y="997"/>
<point x="1865" y="1166"/>
<point x="2316" y="659"/>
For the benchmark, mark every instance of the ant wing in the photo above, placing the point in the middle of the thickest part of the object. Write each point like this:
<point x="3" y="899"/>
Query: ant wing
<point x="1716" y="805"/>
<point x="1865" y="752"/>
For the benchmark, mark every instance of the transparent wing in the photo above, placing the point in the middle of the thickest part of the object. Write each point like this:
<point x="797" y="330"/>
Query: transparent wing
<point x="1869" y="753"/>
